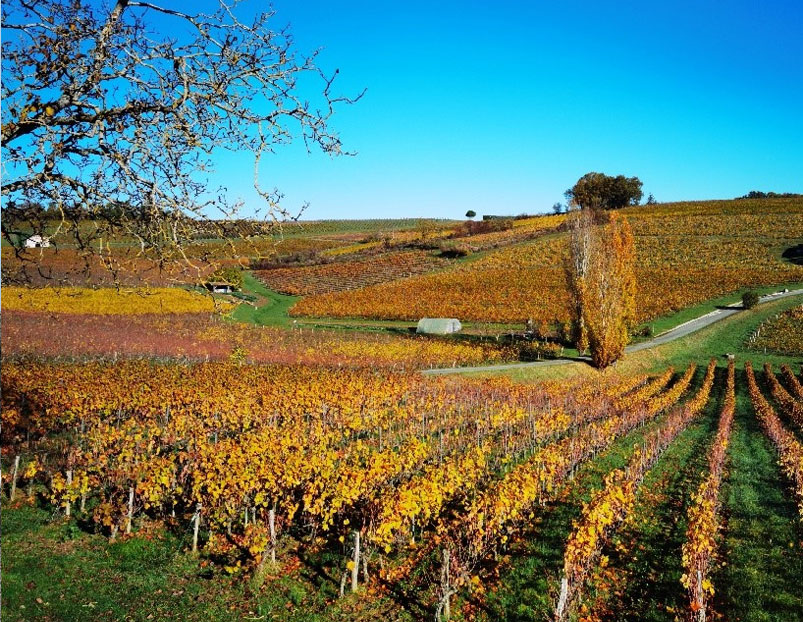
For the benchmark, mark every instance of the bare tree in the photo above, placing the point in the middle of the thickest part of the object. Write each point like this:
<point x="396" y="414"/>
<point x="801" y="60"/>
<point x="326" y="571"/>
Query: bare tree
<point x="109" y="126"/>
<point x="583" y="244"/>
<point x="601" y="283"/>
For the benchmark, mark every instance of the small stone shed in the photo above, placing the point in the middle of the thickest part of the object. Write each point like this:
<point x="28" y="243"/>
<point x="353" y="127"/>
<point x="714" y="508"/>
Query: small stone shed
<point x="438" y="326"/>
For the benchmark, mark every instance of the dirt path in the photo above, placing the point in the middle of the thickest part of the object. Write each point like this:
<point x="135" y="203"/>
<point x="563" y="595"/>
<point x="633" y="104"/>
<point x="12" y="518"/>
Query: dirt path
<point x="670" y="335"/>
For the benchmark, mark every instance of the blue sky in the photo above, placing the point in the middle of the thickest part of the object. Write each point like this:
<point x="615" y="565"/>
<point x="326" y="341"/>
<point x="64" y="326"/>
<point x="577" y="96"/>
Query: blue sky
<point x="500" y="107"/>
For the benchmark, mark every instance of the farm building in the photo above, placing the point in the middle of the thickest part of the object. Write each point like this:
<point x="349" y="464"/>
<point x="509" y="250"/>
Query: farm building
<point x="37" y="241"/>
<point x="438" y="326"/>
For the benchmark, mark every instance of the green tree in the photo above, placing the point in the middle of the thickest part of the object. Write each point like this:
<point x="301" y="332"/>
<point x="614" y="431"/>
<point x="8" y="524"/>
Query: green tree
<point x="471" y="213"/>
<point x="750" y="299"/>
<point x="231" y="275"/>
<point x="600" y="191"/>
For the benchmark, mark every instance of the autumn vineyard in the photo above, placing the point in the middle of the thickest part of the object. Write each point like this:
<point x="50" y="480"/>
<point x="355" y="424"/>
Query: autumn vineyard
<point x="293" y="450"/>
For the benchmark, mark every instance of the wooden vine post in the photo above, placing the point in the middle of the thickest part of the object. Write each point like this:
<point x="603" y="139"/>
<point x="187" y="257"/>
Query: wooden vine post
<point x="560" y="611"/>
<point x="14" y="478"/>
<point x="445" y="607"/>
<point x="130" y="509"/>
<point x="272" y="527"/>
<point x="69" y="484"/>
<point x="196" y="525"/>
<point x="355" y="569"/>
<point x="700" y="598"/>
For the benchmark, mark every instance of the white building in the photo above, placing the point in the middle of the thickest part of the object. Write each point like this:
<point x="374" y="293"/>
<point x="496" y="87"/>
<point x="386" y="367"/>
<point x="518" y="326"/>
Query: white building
<point x="438" y="326"/>
<point x="37" y="241"/>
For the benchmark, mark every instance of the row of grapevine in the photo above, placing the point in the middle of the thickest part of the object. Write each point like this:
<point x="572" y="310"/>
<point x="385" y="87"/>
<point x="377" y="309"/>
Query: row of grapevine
<point x="794" y="384"/>
<point x="246" y="451"/>
<point x="610" y="505"/>
<point x="700" y="547"/>
<point x="110" y="301"/>
<point x="350" y="274"/>
<point x="472" y="534"/>
<point x="792" y="407"/>
<point x="789" y="448"/>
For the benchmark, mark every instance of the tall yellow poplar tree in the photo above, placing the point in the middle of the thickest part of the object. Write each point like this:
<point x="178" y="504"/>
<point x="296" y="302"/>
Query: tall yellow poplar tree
<point x="602" y="284"/>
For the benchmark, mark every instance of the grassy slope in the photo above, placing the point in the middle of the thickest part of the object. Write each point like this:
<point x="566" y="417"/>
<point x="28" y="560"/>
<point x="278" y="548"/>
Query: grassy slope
<point x="271" y="307"/>
<point x="668" y="322"/>
<point x="55" y="572"/>
<point x="726" y="336"/>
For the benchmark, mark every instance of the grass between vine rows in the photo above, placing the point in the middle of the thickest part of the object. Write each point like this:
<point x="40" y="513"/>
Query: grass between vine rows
<point x="53" y="570"/>
<point x="152" y="574"/>
<point x="763" y="541"/>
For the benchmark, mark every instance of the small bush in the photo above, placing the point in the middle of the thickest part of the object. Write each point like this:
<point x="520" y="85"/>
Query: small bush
<point x="450" y="250"/>
<point x="750" y="299"/>
<point x="539" y="350"/>
<point x="471" y="227"/>
<point x="229" y="274"/>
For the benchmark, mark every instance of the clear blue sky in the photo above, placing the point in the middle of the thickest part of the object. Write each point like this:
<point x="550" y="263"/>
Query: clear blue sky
<point x="499" y="107"/>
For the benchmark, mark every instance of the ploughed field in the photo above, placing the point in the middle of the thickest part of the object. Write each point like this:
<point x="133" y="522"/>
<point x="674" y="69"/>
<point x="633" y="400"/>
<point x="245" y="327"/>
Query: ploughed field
<point x="318" y="492"/>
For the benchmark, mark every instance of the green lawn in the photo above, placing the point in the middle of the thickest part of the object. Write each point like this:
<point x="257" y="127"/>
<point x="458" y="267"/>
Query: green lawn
<point x="270" y="309"/>
<point x="53" y="571"/>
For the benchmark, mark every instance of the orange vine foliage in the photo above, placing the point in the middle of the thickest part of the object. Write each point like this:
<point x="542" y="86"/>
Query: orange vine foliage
<point x="792" y="382"/>
<point x="792" y="407"/>
<point x="782" y="333"/>
<point x="685" y="253"/>
<point x="610" y="505"/>
<point x="699" y="550"/>
<point x="789" y="448"/>
<point x="210" y="337"/>
<point x="332" y="449"/>
<point x="347" y="275"/>
<point x="491" y="515"/>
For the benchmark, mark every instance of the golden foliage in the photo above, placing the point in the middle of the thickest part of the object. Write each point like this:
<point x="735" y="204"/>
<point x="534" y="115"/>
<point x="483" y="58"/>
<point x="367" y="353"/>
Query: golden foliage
<point x="109" y="301"/>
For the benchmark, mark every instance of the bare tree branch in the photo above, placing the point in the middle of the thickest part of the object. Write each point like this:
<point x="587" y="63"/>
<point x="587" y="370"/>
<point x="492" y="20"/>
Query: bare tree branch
<point x="106" y="116"/>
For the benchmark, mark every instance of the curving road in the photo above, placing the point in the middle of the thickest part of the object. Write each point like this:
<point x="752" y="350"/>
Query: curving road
<point x="670" y="335"/>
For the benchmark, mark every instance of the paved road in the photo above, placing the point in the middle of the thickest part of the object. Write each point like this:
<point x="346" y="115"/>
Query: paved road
<point x="676" y="333"/>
